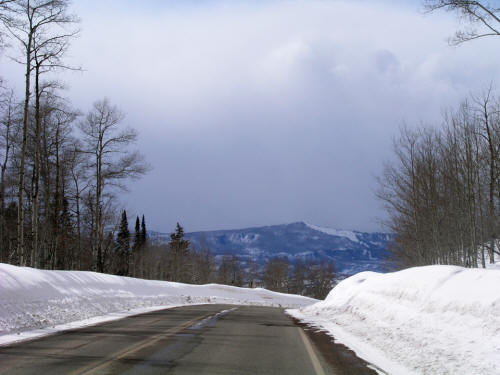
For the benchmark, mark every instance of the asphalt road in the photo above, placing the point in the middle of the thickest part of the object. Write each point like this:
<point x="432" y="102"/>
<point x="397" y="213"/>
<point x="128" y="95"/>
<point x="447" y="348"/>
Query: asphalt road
<point x="205" y="339"/>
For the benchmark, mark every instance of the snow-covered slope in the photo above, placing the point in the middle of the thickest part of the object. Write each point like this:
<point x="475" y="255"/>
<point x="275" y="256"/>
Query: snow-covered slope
<point x="350" y="235"/>
<point x="425" y="320"/>
<point x="36" y="299"/>
<point x="351" y="251"/>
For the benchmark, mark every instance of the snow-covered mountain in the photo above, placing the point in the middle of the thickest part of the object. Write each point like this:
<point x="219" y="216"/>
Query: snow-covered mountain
<point x="352" y="251"/>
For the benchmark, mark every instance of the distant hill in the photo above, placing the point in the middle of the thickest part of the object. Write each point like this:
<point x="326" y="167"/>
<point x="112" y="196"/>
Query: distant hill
<point x="352" y="251"/>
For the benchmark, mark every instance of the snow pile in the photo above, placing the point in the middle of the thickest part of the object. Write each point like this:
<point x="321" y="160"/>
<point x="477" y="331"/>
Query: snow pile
<point x="425" y="320"/>
<point x="33" y="299"/>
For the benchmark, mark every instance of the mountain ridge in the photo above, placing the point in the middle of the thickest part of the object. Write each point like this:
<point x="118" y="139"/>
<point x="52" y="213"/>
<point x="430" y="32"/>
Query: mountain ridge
<point x="352" y="251"/>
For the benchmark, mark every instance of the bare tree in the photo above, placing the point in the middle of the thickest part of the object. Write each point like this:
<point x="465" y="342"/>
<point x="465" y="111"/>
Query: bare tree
<point x="39" y="28"/>
<point x="8" y="134"/>
<point x="5" y="16"/>
<point x="81" y="182"/>
<point x="321" y="278"/>
<point x="482" y="17"/>
<point x="275" y="275"/>
<point x="106" y="143"/>
<point x="442" y="190"/>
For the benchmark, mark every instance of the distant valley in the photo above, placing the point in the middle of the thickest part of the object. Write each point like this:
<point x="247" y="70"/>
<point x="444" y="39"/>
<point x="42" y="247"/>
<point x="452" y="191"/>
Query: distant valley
<point x="352" y="251"/>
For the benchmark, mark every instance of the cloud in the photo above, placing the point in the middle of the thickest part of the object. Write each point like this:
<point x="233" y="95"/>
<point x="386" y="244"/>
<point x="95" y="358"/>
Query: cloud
<point x="271" y="111"/>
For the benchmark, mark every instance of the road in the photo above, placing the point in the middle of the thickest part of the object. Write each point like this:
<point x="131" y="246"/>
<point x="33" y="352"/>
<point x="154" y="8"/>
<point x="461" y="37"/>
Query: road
<point x="204" y="339"/>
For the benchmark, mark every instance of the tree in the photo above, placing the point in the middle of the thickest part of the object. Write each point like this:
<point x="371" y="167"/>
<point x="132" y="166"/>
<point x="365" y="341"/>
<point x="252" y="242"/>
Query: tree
<point x="80" y="178"/>
<point x="298" y="277"/>
<point x="483" y="18"/>
<point x="203" y="264"/>
<point x="321" y="278"/>
<point x="40" y="27"/>
<point x="8" y="133"/>
<point x="137" y="234"/>
<point x="5" y="16"/>
<point x="179" y="251"/>
<point x="275" y="275"/>
<point x="442" y="189"/>
<point x="252" y="272"/>
<point x="486" y="112"/>
<point x="224" y="271"/>
<point x="107" y="143"/>
<point x="144" y="234"/>
<point x="236" y="271"/>
<point x="123" y="247"/>
<point x="137" y="250"/>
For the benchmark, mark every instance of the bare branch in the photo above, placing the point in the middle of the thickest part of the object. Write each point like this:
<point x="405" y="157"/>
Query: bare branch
<point x="482" y="17"/>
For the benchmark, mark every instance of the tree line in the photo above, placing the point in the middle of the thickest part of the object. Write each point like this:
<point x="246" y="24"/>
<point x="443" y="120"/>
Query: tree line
<point x="61" y="169"/>
<point x="442" y="188"/>
<point x="180" y="261"/>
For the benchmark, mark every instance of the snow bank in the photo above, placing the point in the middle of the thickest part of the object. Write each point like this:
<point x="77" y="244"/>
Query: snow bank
<point x="36" y="299"/>
<point x="425" y="320"/>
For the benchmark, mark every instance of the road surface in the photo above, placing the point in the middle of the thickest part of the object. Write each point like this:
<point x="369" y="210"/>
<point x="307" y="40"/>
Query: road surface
<point x="204" y="339"/>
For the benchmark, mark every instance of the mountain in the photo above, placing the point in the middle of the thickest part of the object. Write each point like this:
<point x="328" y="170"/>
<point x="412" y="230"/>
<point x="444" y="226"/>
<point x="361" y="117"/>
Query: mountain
<point x="352" y="251"/>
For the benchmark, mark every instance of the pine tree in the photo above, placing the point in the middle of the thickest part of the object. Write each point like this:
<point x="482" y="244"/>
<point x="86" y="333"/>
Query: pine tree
<point x="178" y="236"/>
<point x="138" y="235"/>
<point x="135" y="256"/>
<point x="123" y="248"/>
<point x="179" y="251"/>
<point x="143" y="232"/>
<point x="65" y="235"/>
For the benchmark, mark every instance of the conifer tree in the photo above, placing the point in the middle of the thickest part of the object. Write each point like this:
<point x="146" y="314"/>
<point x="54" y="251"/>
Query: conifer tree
<point x="143" y="232"/>
<point x="123" y="247"/>
<point x="138" y="235"/>
<point x="179" y="251"/>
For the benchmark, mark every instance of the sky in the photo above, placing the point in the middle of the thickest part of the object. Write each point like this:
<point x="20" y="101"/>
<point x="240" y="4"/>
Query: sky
<point x="272" y="111"/>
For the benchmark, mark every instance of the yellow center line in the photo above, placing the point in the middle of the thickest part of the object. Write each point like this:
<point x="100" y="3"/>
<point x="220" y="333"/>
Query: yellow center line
<point x="314" y="358"/>
<point x="93" y="367"/>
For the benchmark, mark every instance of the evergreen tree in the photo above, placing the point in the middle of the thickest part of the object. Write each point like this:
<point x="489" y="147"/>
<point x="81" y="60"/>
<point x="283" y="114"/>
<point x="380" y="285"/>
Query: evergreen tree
<point x="178" y="236"/>
<point x="179" y="254"/>
<point x="143" y="232"/>
<point x="123" y="247"/>
<point x="65" y="238"/>
<point x="135" y="256"/>
<point x="138" y="235"/>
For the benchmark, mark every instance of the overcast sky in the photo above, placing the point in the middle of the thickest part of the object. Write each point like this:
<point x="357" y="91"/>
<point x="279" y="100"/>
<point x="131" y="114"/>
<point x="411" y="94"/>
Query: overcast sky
<point x="265" y="112"/>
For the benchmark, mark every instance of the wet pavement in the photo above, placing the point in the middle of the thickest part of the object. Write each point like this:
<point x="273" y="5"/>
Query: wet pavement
<point x="203" y="339"/>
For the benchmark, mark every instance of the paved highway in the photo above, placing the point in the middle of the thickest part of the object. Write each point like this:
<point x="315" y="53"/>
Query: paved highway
<point x="205" y="339"/>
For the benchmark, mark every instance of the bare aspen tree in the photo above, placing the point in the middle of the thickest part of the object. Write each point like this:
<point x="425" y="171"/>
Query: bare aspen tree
<point x="487" y="112"/>
<point x="482" y="18"/>
<point x="81" y="182"/>
<point x="442" y="192"/>
<point x="106" y="142"/>
<point x="7" y="136"/>
<point x="61" y="119"/>
<point x="5" y="16"/>
<point x="37" y="25"/>
<point x="47" y="57"/>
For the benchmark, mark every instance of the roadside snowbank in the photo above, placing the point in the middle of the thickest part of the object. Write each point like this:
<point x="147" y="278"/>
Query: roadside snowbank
<point x="45" y="301"/>
<point x="425" y="320"/>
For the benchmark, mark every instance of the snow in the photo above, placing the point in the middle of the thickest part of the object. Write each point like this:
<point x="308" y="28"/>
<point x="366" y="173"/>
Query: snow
<point x="424" y="320"/>
<point x="335" y="232"/>
<point x="38" y="302"/>
<point x="492" y="266"/>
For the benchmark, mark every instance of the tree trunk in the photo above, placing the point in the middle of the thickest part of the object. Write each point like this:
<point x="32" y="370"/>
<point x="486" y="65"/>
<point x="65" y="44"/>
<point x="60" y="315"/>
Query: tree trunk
<point x="36" y="173"/>
<point x="20" y="207"/>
